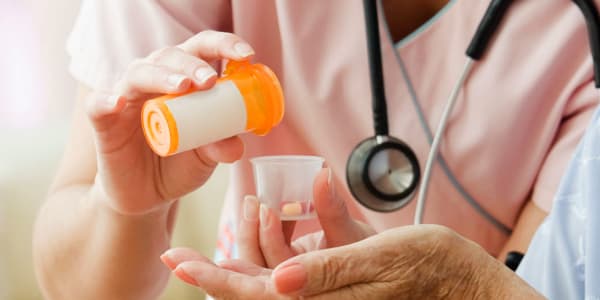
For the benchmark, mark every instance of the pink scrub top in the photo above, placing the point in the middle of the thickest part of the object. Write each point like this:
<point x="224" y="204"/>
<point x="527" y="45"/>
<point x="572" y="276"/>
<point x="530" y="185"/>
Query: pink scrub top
<point x="512" y="132"/>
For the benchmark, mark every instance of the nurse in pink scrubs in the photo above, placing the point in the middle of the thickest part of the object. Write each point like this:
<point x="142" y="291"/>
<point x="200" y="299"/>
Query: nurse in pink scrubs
<point x="516" y="124"/>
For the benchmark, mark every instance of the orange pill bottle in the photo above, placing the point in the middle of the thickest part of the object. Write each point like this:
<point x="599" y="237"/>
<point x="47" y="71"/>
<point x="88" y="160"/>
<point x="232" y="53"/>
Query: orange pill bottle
<point x="247" y="98"/>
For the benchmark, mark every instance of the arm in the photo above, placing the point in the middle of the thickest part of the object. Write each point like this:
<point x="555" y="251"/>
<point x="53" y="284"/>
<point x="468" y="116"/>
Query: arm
<point x="415" y="262"/>
<point x="529" y="220"/>
<point x="111" y="210"/>
<point x="77" y="238"/>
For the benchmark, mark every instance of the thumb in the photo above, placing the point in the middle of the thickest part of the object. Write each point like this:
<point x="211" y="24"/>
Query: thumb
<point x="103" y="108"/>
<point x="338" y="226"/>
<point x="323" y="271"/>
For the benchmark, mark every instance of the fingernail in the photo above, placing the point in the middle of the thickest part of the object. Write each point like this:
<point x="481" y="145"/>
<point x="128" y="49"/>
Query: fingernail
<point x="265" y="219"/>
<point x="113" y="100"/>
<point x="290" y="278"/>
<point x="330" y="184"/>
<point x="204" y="74"/>
<point x="168" y="261"/>
<point x="243" y="49"/>
<point x="183" y="275"/>
<point x="250" y="208"/>
<point x="175" y="80"/>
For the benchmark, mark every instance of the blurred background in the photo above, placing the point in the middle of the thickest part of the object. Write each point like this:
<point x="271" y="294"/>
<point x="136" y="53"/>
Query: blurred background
<point x="38" y="94"/>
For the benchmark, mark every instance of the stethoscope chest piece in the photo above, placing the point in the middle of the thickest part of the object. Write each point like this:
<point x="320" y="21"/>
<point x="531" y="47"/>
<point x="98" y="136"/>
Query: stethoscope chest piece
<point x="383" y="173"/>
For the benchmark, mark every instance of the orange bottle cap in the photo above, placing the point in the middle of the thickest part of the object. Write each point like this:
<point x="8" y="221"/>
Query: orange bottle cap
<point x="262" y="94"/>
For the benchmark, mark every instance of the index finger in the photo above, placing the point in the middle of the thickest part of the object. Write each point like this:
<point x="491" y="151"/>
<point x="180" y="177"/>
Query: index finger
<point x="213" y="45"/>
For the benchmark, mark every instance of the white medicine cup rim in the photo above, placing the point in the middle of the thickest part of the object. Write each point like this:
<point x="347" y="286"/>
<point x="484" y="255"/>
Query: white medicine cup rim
<point x="286" y="159"/>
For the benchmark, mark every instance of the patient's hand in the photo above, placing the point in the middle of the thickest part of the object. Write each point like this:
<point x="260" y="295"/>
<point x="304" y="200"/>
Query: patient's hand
<point x="412" y="262"/>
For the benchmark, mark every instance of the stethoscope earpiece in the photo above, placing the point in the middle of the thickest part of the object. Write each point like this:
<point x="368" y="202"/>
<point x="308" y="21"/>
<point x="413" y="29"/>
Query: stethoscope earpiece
<point x="383" y="173"/>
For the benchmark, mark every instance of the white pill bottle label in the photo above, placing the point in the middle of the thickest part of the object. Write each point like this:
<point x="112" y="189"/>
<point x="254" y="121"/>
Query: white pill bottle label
<point x="204" y="117"/>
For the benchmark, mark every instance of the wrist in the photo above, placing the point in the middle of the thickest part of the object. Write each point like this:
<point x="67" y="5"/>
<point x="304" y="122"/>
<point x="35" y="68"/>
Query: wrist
<point x="131" y="208"/>
<point x="491" y="279"/>
<point x="460" y="269"/>
<point x="153" y="225"/>
<point x="134" y="240"/>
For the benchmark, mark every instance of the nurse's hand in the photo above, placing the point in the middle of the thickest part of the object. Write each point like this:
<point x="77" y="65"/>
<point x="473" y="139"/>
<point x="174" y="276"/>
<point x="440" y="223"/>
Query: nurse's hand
<point x="131" y="179"/>
<point x="263" y="239"/>
<point x="413" y="262"/>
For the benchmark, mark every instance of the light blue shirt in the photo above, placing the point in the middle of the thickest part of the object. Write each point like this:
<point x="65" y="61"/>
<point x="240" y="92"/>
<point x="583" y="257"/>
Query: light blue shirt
<point x="563" y="260"/>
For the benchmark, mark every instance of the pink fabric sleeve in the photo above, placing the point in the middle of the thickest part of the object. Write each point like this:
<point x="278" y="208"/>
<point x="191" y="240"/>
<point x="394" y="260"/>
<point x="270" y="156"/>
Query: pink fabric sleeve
<point x="577" y="113"/>
<point x="108" y="35"/>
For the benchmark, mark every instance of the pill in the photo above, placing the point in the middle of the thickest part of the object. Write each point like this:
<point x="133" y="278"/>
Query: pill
<point x="291" y="209"/>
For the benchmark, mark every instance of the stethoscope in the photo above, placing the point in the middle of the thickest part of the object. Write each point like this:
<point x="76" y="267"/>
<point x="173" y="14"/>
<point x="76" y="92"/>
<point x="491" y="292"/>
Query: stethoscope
<point x="382" y="171"/>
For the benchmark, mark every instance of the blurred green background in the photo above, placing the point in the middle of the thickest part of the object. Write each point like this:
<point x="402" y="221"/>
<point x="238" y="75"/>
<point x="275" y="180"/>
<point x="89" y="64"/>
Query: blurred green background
<point x="35" y="109"/>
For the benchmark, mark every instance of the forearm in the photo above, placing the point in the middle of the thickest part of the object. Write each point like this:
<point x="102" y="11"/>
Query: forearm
<point x="84" y="250"/>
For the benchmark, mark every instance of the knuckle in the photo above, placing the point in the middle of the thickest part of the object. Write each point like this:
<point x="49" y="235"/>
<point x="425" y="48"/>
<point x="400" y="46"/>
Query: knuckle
<point x="161" y="54"/>
<point x="441" y="232"/>
<point x="133" y="67"/>
<point x="339" y="207"/>
<point x="207" y="33"/>
<point x="243" y="238"/>
<point x="123" y="84"/>
<point x="439" y="239"/>
<point x="217" y="36"/>
<point x="330" y="270"/>
<point x="191" y="64"/>
<point x="89" y="106"/>
<point x="159" y="79"/>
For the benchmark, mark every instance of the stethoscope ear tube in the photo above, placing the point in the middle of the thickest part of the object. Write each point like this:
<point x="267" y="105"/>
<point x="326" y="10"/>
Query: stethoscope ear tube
<point x="380" y="119"/>
<point x="592" y="20"/>
<point x="488" y="25"/>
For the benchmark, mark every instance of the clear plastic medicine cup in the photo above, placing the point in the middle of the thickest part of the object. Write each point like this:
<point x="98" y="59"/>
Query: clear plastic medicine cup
<point x="285" y="184"/>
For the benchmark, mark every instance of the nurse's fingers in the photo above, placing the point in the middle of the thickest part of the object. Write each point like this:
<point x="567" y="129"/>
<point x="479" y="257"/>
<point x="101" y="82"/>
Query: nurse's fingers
<point x="200" y="72"/>
<point x="272" y="238"/>
<point x="144" y="79"/>
<point x="248" y="233"/>
<point x="224" y="151"/>
<point x="338" y="226"/>
<point x="100" y="105"/>
<point x="212" y="45"/>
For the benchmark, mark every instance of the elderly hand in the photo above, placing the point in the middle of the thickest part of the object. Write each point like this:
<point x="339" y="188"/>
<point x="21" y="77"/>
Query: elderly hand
<point x="413" y="262"/>
<point x="265" y="240"/>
